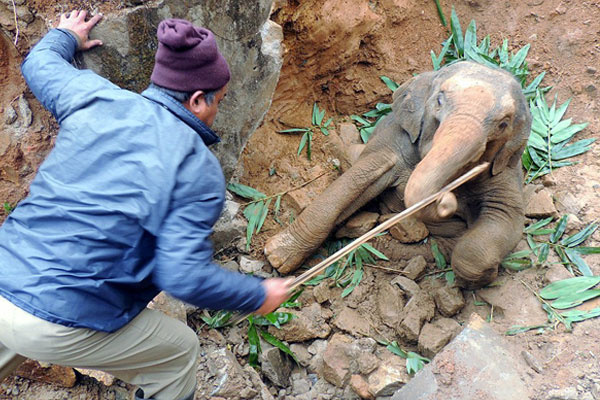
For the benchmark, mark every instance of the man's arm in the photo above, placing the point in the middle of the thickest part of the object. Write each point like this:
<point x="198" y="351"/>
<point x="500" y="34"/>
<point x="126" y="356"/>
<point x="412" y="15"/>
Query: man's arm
<point x="47" y="69"/>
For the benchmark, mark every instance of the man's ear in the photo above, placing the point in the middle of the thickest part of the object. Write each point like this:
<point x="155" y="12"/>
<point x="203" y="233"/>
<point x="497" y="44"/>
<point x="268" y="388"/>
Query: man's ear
<point x="197" y="103"/>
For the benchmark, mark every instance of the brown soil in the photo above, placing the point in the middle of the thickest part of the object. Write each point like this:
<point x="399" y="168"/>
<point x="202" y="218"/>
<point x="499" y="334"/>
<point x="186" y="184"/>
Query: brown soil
<point x="335" y="52"/>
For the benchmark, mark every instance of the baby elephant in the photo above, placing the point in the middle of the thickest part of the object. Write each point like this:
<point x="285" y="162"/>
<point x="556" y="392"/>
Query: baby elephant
<point x="442" y="124"/>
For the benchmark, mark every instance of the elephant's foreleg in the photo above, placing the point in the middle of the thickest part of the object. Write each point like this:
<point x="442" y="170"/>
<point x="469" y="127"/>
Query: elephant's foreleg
<point x="286" y="250"/>
<point x="495" y="232"/>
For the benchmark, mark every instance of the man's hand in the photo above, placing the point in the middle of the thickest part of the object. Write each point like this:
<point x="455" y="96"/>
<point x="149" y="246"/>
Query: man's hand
<point x="277" y="290"/>
<point x="76" y="23"/>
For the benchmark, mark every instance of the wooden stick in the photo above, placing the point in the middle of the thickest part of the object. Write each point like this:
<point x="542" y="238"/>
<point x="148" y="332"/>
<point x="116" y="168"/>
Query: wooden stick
<point x="317" y="269"/>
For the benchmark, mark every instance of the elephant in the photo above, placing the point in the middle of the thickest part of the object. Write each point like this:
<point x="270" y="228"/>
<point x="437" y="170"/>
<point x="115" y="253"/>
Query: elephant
<point x="442" y="123"/>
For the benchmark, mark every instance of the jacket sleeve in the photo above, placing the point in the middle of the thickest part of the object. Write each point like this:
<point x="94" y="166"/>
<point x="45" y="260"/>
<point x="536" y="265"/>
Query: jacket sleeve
<point x="56" y="83"/>
<point x="184" y="266"/>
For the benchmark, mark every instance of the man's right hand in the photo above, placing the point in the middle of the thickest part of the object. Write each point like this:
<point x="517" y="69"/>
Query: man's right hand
<point x="277" y="291"/>
<point x="76" y="23"/>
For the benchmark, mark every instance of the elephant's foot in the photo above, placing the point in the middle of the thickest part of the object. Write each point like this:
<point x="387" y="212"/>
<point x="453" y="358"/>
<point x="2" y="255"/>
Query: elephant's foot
<point x="475" y="279"/>
<point x="284" y="253"/>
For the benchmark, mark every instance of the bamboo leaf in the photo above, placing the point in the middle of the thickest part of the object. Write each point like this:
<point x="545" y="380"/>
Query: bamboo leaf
<point x="457" y="35"/>
<point x="294" y="130"/>
<point x="543" y="253"/>
<point x="567" y="133"/>
<point x="588" y="250"/>
<point x="263" y="215"/>
<point x="538" y="225"/>
<point x="303" y="143"/>
<point x="279" y="344"/>
<point x="517" y="264"/>
<point x="575" y="299"/>
<point x="315" y="113"/>
<point x="389" y="83"/>
<point x="560" y="229"/>
<point x="576" y="259"/>
<point x="440" y="260"/>
<point x="374" y="251"/>
<point x="580" y="236"/>
<point x="568" y="286"/>
<point x="254" y="343"/>
<point x="573" y="150"/>
<point x="245" y="191"/>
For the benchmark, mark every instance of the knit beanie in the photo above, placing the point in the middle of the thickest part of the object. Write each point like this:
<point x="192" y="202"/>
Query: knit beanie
<point x="188" y="58"/>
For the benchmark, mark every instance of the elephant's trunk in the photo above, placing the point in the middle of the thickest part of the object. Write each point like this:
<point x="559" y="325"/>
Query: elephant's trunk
<point x="459" y="141"/>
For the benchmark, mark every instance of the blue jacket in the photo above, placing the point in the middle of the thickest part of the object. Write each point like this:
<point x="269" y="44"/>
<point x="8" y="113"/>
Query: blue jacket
<point x="122" y="207"/>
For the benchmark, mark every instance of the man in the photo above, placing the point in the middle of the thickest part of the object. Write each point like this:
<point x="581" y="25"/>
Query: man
<point x="122" y="208"/>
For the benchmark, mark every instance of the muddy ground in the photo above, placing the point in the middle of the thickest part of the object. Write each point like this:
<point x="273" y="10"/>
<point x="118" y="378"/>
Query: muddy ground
<point x="335" y="52"/>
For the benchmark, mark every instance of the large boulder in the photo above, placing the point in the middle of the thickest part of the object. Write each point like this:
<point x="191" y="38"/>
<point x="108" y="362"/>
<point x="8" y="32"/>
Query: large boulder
<point x="249" y="41"/>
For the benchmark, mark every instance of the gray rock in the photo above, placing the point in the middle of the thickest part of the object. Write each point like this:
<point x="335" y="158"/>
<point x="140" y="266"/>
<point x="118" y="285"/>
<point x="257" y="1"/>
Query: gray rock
<point x="351" y="321"/>
<point x="390" y="302"/>
<point x="358" y="225"/>
<point x="389" y="377"/>
<point x="229" y="227"/>
<point x="228" y="376"/>
<point x="569" y="393"/>
<point x="415" y="267"/>
<point x="170" y="306"/>
<point x="310" y="323"/>
<point x="248" y="40"/>
<point x="434" y="336"/>
<point x="419" y="309"/>
<point x="276" y="366"/>
<point x="302" y="354"/>
<point x="250" y="266"/>
<point x="470" y="367"/>
<point x="407" y="285"/>
<point x="25" y="112"/>
<point x="338" y="356"/>
<point x="10" y="115"/>
<point x="409" y="230"/>
<point x="541" y="205"/>
<point x="449" y="300"/>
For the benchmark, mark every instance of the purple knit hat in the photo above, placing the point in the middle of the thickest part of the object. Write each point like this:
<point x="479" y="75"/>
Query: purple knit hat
<point x="188" y="58"/>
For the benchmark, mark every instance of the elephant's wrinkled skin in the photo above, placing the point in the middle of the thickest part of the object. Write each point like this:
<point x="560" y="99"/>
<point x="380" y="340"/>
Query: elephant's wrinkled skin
<point x="442" y="124"/>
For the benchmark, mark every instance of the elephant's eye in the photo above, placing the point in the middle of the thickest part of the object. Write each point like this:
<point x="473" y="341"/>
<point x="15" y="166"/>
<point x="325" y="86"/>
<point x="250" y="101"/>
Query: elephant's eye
<point x="503" y="125"/>
<point x="440" y="98"/>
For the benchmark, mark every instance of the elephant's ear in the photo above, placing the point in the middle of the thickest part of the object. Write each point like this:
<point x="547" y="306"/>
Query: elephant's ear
<point x="511" y="152"/>
<point x="409" y="103"/>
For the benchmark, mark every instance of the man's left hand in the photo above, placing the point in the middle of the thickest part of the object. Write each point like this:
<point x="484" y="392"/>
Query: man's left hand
<point x="76" y="23"/>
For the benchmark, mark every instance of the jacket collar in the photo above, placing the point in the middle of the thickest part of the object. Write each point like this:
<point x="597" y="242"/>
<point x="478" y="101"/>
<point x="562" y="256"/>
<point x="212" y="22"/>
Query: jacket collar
<point x="208" y="135"/>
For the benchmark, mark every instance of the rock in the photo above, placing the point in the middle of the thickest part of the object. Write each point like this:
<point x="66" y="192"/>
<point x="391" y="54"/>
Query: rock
<point x="360" y="387"/>
<point x="170" y="306"/>
<point x="407" y="285"/>
<point x="302" y="354"/>
<point x="390" y="303"/>
<point x="25" y="112"/>
<point x="420" y="308"/>
<point x="276" y="366"/>
<point x="10" y="115"/>
<point x="254" y="383"/>
<point x="351" y="321"/>
<point x="449" y="300"/>
<point x="300" y="198"/>
<point x="228" y="375"/>
<point x="250" y="266"/>
<point x="415" y="267"/>
<point x="5" y="142"/>
<point x="556" y="272"/>
<point x="434" y="336"/>
<point x="408" y="230"/>
<point x="541" y="205"/>
<point x="533" y="362"/>
<point x="349" y="134"/>
<point x="322" y="292"/>
<point x="389" y="377"/>
<point x="336" y="360"/>
<point x="568" y="393"/>
<point x="231" y="265"/>
<point x="317" y="349"/>
<point x="246" y="37"/>
<point x="229" y="227"/>
<point x="310" y="323"/>
<point x="573" y="224"/>
<point x="470" y="367"/>
<point x="47" y="373"/>
<point x="358" y="225"/>
<point x="567" y="203"/>
<point x="514" y="303"/>
<point x="100" y="376"/>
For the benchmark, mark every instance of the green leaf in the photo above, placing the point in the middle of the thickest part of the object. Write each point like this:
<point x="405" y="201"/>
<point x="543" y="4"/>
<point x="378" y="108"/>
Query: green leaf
<point x="517" y="264"/>
<point x="263" y="215"/>
<point x="543" y="253"/>
<point x="415" y="362"/>
<point x="326" y="124"/>
<point x="588" y="250"/>
<point x="457" y="35"/>
<point x="374" y="251"/>
<point x="575" y="299"/>
<point x="450" y="277"/>
<point x="518" y="254"/>
<point x="440" y="260"/>
<point x="576" y="259"/>
<point x="568" y="286"/>
<point x="294" y="130"/>
<point x="356" y="278"/>
<point x="395" y="349"/>
<point x="470" y="42"/>
<point x="279" y="344"/>
<point x="567" y="133"/>
<point x="360" y="120"/>
<point x="389" y="83"/>
<point x="516" y="329"/>
<point x="519" y="58"/>
<point x="254" y="343"/>
<point x="324" y="131"/>
<point x="245" y="191"/>
<point x="560" y="229"/>
<point x="303" y="143"/>
<point x="579" y="147"/>
<point x="578" y="315"/>
<point x="315" y="114"/>
<point x="252" y="212"/>
<point x="440" y="13"/>
<point x="538" y="225"/>
<point x="580" y="236"/>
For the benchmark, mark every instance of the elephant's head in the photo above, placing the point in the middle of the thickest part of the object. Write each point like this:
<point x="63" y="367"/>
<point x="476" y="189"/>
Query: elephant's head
<point x="457" y="117"/>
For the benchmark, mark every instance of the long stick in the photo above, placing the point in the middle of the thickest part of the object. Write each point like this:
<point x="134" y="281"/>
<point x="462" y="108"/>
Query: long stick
<point x="317" y="269"/>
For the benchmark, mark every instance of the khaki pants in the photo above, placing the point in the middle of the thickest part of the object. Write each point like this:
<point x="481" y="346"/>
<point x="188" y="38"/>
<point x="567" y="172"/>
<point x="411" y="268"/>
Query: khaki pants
<point x="153" y="351"/>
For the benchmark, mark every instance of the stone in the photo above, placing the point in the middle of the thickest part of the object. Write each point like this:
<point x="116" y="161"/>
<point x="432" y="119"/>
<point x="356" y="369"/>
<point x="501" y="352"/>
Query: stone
<point x="470" y="367"/>
<point x="409" y="286"/>
<point x="170" y="306"/>
<point x="419" y="309"/>
<point x="568" y="393"/>
<point x="100" y="376"/>
<point x="250" y="266"/>
<point x="533" y="362"/>
<point x="276" y="366"/>
<point x="250" y="42"/>
<point x="556" y="272"/>
<point x="415" y="267"/>
<point x="351" y="321"/>
<point x="389" y="377"/>
<point x="47" y="373"/>
<point x="541" y="205"/>
<point x="514" y="303"/>
<point x="435" y="335"/>
<point x="349" y="133"/>
<point x="255" y="382"/>
<point x="360" y="387"/>
<point x="322" y="292"/>
<point x="229" y="227"/>
<point x="5" y="142"/>
<point x="390" y="302"/>
<point x="408" y="230"/>
<point x="25" y="112"/>
<point x="449" y="300"/>
<point x="10" y="115"/>
<point x="300" y="198"/>
<point x="567" y="203"/>
<point x="358" y="225"/>
<point x="573" y="224"/>
<point x="310" y="323"/>
<point x="336" y="360"/>
<point x="231" y="265"/>
<point x="228" y="376"/>
<point x="302" y="354"/>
